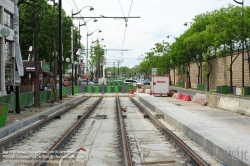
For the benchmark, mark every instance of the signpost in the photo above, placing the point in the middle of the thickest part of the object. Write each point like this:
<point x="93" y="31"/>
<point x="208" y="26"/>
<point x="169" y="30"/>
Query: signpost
<point x="154" y="71"/>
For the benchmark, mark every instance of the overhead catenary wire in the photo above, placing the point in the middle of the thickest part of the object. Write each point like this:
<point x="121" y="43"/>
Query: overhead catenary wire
<point x="70" y="4"/>
<point x="115" y="33"/>
<point x="126" y="20"/>
<point x="121" y="7"/>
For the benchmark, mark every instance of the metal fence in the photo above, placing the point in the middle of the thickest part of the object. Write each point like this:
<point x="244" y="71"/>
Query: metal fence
<point x="27" y="98"/>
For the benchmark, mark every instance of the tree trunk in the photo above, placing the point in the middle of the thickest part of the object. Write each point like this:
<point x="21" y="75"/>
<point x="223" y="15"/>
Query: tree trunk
<point x="208" y="75"/>
<point x="174" y="76"/>
<point x="201" y="71"/>
<point x="231" y="78"/>
<point x="198" y="74"/>
<point x="189" y="80"/>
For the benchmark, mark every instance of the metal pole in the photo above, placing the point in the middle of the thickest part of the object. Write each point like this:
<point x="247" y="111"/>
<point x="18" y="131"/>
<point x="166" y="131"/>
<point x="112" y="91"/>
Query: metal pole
<point x="72" y="65"/>
<point x="118" y="68"/>
<point x="72" y="60"/>
<point x="242" y="45"/>
<point x="242" y="3"/>
<point x="87" y="69"/>
<point x="60" y="49"/>
<point x="17" y="100"/>
<point x="79" y="70"/>
<point x="75" y="74"/>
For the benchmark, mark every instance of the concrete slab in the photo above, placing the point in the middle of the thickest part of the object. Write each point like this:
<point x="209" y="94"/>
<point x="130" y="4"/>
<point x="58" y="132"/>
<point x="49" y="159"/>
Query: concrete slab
<point x="223" y="134"/>
<point x="244" y="107"/>
<point x="230" y="104"/>
<point x="213" y="101"/>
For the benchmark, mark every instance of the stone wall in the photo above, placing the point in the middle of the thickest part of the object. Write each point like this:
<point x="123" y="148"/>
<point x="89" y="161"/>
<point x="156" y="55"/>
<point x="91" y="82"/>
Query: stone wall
<point x="220" y="74"/>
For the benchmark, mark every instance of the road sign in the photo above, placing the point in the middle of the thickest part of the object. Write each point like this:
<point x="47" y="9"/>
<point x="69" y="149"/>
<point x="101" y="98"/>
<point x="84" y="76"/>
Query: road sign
<point x="154" y="71"/>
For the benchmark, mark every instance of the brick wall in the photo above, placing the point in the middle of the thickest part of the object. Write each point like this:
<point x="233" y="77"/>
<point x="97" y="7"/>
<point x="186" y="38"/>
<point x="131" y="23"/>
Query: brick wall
<point x="220" y="74"/>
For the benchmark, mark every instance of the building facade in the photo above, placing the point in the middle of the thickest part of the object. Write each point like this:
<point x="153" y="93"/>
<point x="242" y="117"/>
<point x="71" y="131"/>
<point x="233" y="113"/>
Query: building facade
<point x="7" y="51"/>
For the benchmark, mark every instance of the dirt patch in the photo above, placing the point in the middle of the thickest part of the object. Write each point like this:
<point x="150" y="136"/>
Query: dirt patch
<point x="32" y="110"/>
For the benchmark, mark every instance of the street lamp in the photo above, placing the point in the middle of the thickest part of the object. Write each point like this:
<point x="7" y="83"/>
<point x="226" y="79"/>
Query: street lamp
<point x="87" y="66"/>
<point x="72" y="66"/>
<point x="72" y="58"/>
<point x="242" y="3"/>
<point x="91" y="8"/>
<point x="168" y="36"/>
<point x="84" y="24"/>
<point x="186" y="23"/>
<point x="75" y="64"/>
<point x="101" y="39"/>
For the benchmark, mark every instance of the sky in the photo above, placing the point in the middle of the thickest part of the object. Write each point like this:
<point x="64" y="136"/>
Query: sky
<point x="157" y="19"/>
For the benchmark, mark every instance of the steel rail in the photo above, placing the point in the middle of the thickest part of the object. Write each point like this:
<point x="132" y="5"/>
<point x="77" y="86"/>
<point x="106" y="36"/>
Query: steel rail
<point x="194" y="157"/>
<point x="58" y="145"/>
<point x="126" y="157"/>
<point x="21" y="135"/>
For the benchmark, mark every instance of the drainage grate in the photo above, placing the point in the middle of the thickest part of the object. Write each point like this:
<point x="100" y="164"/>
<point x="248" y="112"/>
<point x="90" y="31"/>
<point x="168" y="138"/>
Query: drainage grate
<point x="101" y="116"/>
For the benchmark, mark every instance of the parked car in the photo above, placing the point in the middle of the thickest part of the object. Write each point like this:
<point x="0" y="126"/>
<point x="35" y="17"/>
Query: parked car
<point x="129" y="81"/>
<point x="84" y="82"/>
<point x="146" y="82"/>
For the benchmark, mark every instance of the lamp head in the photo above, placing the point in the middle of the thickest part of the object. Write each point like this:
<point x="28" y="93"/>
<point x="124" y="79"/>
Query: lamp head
<point x="100" y="31"/>
<point x="5" y="32"/>
<point x="91" y="8"/>
<point x="185" y="24"/>
<point x="67" y="59"/>
<point x="167" y="36"/>
<point x="95" y="20"/>
<point x="30" y="48"/>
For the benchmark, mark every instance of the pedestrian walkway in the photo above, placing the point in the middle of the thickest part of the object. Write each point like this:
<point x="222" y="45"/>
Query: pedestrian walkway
<point x="223" y="134"/>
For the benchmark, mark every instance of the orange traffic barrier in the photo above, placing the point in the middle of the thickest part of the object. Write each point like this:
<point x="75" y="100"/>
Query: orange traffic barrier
<point x="188" y="98"/>
<point x="179" y="96"/>
<point x="183" y="96"/>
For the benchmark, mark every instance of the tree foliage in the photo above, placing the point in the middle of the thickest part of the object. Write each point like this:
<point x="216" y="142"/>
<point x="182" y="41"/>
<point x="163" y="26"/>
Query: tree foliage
<point x="211" y="34"/>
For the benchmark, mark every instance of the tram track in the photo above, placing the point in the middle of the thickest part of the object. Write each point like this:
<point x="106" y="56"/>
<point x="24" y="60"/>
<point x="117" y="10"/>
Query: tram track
<point x="194" y="158"/>
<point x="104" y="133"/>
<point x="25" y="133"/>
<point x="33" y="144"/>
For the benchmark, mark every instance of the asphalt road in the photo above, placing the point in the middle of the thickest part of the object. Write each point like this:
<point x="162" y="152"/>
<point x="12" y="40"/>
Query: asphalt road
<point x="187" y="91"/>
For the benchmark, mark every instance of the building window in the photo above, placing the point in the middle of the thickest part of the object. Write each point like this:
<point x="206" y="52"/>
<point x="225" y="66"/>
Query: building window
<point x="8" y="20"/>
<point x="1" y="22"/>
<point x="8" y="62"/>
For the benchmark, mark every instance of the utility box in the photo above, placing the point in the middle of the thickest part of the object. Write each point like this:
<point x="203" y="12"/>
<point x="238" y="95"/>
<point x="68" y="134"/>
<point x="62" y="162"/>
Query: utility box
<point x="160" y="85"/>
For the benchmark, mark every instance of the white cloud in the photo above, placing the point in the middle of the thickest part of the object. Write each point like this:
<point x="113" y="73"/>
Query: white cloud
<point x="158" y="19"/>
